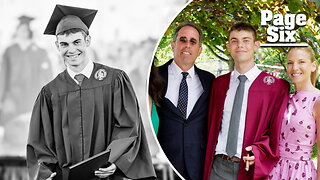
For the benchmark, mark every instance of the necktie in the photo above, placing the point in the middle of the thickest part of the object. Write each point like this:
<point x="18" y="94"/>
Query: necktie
<point x="183" y="95"/>
<point x="79" y="78"/>
<point x="232" y="141"/>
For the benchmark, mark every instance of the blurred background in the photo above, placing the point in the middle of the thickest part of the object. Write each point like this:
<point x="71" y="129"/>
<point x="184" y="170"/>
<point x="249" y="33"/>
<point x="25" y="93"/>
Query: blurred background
<point x="124" y="35"/>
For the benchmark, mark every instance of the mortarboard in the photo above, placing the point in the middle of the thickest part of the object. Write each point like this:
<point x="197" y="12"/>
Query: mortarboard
<point x="67" y="17"/>
<point x="25" y="19"/>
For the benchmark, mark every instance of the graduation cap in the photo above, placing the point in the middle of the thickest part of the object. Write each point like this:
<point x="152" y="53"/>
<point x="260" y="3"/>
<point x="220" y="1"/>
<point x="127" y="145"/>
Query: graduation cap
<point x="25" y="19"/>
<point x="67" y="17"/>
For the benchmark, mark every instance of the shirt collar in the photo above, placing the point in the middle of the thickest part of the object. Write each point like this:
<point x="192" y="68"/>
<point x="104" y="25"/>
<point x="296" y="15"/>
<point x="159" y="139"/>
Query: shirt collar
<point x="177" y="71"/>
<point x="251" y="74"/>
<point x="86" y="71"/>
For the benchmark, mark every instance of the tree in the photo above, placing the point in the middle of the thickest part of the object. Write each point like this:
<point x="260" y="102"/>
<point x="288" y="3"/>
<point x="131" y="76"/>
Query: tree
<point x="216" y="17"/>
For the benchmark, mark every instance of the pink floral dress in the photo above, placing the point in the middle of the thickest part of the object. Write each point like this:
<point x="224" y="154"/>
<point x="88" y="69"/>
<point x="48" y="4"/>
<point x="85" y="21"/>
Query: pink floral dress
<point x="298" y="135"/>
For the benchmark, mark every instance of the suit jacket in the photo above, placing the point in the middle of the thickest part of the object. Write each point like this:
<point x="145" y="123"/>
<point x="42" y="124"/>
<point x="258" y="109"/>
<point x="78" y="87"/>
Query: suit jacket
<point x="184" y="141"/>
<point x="267" y="101"/>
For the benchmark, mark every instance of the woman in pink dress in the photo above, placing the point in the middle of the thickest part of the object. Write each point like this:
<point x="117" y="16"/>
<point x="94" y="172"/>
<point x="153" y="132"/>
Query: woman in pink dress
<point x="301" y="121"/>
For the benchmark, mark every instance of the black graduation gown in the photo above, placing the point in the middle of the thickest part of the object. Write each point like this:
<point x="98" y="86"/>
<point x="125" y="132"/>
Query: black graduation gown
<point x="70" y="124"/>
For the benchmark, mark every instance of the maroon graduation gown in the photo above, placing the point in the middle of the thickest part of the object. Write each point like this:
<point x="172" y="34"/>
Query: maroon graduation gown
<point x="267" y="101"/>
<point x="70" y="124"/>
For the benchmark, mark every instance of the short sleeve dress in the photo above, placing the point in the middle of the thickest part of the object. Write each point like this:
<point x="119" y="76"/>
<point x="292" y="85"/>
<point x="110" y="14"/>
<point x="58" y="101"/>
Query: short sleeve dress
<point x="298" y="135"/>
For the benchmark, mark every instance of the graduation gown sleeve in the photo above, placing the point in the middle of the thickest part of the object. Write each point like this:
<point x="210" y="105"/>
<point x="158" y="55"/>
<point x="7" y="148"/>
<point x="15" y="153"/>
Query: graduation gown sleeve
<point x="135" y="162"/>
<point x="41" y="158"/>
<point x="266" y="141"/>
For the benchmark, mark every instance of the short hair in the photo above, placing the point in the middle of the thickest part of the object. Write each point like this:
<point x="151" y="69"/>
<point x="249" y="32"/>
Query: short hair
<point x="242" y="26"/>
<point x="310" y="51"/>
<point x="73" y="31"/>
<point x="191" y="24"/>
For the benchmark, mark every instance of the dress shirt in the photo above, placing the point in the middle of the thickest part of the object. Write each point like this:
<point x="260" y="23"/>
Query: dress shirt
<point x="194" y="86"/>
<point x="252" y="74"/>
<point x="86" y="71"/>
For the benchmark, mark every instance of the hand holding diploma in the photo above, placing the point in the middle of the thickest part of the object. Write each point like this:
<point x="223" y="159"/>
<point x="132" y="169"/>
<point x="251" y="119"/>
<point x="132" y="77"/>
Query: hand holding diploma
<point x="249" y="158"/>
<point x="105" y="172"/>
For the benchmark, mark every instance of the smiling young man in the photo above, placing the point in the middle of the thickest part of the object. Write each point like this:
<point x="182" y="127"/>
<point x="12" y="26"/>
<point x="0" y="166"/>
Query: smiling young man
<point x="183" y="105"/>
<point x="245" y="112"/>
<point x="85" y="109"/>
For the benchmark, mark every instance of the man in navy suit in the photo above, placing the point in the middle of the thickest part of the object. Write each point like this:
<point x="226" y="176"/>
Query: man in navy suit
<point x="183" y="106"/>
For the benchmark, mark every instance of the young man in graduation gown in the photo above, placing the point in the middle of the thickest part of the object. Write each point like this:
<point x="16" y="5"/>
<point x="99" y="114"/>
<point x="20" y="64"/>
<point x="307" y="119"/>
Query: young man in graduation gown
<point x="84" y="109"/>
<point x="245" y="112"/>
<point x="184" y="103"/>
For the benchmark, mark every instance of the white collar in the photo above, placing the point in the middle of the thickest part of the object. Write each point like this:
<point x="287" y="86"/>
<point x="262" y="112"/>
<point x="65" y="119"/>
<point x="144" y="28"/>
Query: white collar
<point x="86" y="71"/>
<point x="251" y="74"/>
<point x="177" y="71"/>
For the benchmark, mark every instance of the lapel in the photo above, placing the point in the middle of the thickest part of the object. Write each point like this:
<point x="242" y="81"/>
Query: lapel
<point x="205" y="85"/>
<point x="203" y="79"/>
<point x="166" y="102"/>
<point x="206" y="88"/>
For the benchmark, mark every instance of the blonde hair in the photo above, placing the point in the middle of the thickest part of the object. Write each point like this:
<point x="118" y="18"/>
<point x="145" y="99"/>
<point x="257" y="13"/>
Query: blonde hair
<point x="310" y="51"/>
